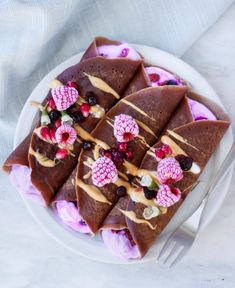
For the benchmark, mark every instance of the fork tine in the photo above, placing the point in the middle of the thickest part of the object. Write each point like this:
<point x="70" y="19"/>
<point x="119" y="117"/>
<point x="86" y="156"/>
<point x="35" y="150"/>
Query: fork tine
<point x="179" y="257"/>
<point x="166" y="249"/>
<point x="176" y="250"/>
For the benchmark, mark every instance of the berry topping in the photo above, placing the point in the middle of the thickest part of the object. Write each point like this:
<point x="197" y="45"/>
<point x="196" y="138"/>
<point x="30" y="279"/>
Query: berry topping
<point x="72" y="84"/>
<point x="149" y="194"/>
<point x="168" y="196"/>
<point x="57" y="123"/>
<point x="121" y="191"/>
<point x="124" y="52"/>
<point x="125" y="128"/>
<point x="65" y="135"/>
<point x="162" y="152"/>
<point x="104" y="172"/>
<point x="86" y="145"/>
<point x="52" y="134"/>
<point x="77" y="116"/>
<point x="91" y="98"/>
<point x="154" y="77"/>
<point x="129" y="154"/>
<point x="85" y="109"/>
<point x="54" y="115"/>
<point x="64" y="97"/>
<point x="169" y="171"/>
<point x="186" y="162"/>
<point x="159" y="154"/>
<point x="51" y="104"/>
<point x="117" y="156"/>
<point x="45" y="133"/>
<point x="122" y="147"/>
<point x="106" y="153"/>
<point x="171" y="82"/>
<point x="166" y="149"/>
<point x="61" y="154"/>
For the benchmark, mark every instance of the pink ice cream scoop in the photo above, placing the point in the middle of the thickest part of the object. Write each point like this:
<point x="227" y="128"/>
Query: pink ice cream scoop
<point x="200" y="111"/>
<point x="70" y="216"/>
<point x="120" y="244"/>
<point x="159" y="77"/>
<point x="20" y="177"/>
<point x="118" y="51"/>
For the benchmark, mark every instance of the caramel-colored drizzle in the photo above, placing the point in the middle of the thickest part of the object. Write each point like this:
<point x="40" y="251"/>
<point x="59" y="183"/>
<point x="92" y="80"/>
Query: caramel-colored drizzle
<point x="136" y="108"/>
<point x="132" y="216"/>
<point x="102" y="85"/>
<point x="145" y="127"/>
<point x="93" y="192"/>
<point x="181" y="139"/>
<point x="55" y="83"/>
<point x="87" y="175"/>
<point x="42" y="160"/>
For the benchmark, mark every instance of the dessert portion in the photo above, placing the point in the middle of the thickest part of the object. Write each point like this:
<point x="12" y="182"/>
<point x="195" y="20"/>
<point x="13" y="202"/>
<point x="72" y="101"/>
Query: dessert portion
<point x="79" y="97"/>
<point x="167" y="174"/>
<point x="119" y="143"/>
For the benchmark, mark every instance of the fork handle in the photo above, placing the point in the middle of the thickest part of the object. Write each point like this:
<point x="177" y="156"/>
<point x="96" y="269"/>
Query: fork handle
<point x="211" y="202"/>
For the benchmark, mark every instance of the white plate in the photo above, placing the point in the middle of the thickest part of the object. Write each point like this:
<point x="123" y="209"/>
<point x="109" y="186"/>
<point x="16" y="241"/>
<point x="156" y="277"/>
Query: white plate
<point x="93" y="248"/>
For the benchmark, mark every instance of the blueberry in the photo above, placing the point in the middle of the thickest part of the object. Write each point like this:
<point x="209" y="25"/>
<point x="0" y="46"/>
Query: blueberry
<point x="149" y="194"/>
<point x="77" y="116"/>
<point x="171" y="82"/>
<point x="121" y="191"/>
<point x="54" y="115"/>
<point x="186" y="162"/>
<point x="91" y="98"/>
<point x="86" y="145"/>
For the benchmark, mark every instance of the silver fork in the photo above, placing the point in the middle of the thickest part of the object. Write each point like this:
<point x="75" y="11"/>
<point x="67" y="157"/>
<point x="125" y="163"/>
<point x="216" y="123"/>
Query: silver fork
<point x="182" y="239"/>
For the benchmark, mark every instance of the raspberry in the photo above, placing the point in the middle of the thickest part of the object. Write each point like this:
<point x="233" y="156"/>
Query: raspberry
<point x="104" y="172"/>
<point x="169" y="171"/>
<point x="168" y="196"/>
<point x="122" y="147"/>
<point x="125" y="128"/>
<point x="65" y="135"/>
<point x="64" y="97"/>
<point x="166" y="149"/>
<point x="51" y="104"/>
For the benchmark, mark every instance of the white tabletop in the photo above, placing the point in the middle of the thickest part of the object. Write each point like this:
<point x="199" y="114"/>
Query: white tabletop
<point x="30" y="258"/>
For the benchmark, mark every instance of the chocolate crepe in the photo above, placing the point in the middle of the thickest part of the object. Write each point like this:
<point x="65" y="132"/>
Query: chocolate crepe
<point x="203" y="137"/>
<point x="116" y="73"/>
<point x="153" y="108"/>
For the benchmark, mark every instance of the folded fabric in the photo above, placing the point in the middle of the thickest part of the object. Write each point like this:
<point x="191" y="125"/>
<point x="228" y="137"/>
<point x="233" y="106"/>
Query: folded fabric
<point x="78" y="99"/>
<point x="197" y="122"/>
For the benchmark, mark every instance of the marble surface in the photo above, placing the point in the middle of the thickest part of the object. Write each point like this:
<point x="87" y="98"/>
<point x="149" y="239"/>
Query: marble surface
<point x="30" y="258"/>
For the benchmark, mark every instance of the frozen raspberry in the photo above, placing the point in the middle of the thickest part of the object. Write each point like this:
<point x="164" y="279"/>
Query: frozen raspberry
<point x="61" y="154"/>
<point x="65" y="135"/>
<point x="64" y="97"/>
<point x="167" y="196"/>
<point x="104" y="172"/>
<point x="125" y="128"/>
<point x="169" y="171"/>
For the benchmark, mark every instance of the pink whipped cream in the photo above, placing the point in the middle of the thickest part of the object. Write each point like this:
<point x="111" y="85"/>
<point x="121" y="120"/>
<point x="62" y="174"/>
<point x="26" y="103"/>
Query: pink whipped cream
<point x="70" y="216"/>
<point x="120" y="245"/>
<point x="20" y="177"/>
<point x="118" y="51"/>
<point x="159" y="77"/>
<point x="200" y="111"/>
